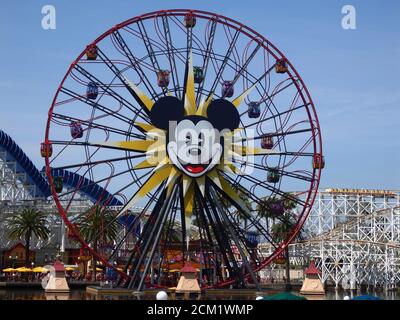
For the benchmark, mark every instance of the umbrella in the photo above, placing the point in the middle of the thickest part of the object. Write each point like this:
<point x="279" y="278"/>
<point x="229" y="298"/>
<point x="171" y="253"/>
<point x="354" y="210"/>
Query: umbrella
<point x="70" y="269"/>
<point x="174" y="270"/>
<point x="9" y="270"/>
<point x="366" y="297"/>
<point x="23" y="269"/>
<point x="40" y="270"/>
<point x="97" y="269"/>
<point x="284" y="296"/>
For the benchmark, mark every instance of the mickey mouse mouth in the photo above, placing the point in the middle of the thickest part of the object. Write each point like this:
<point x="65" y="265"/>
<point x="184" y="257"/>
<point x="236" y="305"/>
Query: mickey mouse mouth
<point x="195" y="168"/>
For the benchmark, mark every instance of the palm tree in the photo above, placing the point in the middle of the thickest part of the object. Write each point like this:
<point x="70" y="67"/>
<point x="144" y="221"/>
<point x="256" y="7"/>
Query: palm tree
<point x="280" y="230"/>
<point x="98" y="225"/>
<point x="264" y="210"/>
<point x="26" y="223"/>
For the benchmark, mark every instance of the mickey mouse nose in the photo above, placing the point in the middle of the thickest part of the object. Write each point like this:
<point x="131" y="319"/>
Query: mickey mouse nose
<point x="195" y="152"/>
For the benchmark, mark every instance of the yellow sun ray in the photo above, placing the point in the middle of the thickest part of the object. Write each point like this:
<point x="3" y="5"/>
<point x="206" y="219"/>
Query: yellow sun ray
<point x="190" y="97"/>
<point x="189" y="201"/>
<point x="214" y="176"/>
<point x="147" y="102"/>
<point x="232" y="193"/>
<point x="237" y="101"/>
<point x="228" y="167"/>
<point x="156" y="178"/>
<point x="145" y="127"/>
<point x="145" y="164"/>
<point x="186" y="182"/>
<point x="201" y="182"/>
<point x="202" y="110"/>
<point x="164" y="162"/>
<point x="135" y="145"/>
<point x="173" y="176"/>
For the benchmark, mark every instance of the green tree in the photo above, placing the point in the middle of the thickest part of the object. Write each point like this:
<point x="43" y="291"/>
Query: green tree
<point x="97" y="226"/>
<point x="26" y="223"/>
<point x="281" y="229"/>
<point x="171" y="231"/>
<point x="246" y="203"/>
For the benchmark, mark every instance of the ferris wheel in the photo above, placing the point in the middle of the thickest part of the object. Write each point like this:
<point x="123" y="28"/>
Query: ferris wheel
<point x="203" y="124"/>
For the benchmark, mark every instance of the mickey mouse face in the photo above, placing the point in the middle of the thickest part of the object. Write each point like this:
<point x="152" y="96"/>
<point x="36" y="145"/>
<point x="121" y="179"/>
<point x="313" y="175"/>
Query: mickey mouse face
<point x="194" y="145"/>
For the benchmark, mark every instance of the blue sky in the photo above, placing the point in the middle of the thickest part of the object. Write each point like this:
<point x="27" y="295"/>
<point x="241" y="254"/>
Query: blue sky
<point x="352" y="74"/>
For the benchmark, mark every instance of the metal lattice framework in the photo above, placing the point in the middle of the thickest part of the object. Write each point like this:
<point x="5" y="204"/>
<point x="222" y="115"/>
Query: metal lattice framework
<point x="354" y="236"/>
<point x="20" y="180"/>
<point x="334" y="207"/>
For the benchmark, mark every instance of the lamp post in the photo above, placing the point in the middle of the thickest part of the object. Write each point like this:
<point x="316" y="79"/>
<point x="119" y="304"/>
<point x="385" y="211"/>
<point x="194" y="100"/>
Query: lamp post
<point x="32" y="266"/>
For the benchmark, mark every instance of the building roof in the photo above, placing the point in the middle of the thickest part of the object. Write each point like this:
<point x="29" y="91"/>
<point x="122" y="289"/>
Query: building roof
<point x="58" y="266"/>
<point x="188" y="268"/>
<point x="312" y="269"/>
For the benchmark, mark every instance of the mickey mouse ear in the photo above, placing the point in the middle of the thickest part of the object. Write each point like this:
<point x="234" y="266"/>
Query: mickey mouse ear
<point x="166" y="109"/>
<point x="223" y="115"/>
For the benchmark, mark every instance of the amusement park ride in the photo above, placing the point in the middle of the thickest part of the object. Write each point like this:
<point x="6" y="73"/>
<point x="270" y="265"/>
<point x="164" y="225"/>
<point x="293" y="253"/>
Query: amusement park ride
<point x="195" y="132"/>
<point x="199" y="120"/>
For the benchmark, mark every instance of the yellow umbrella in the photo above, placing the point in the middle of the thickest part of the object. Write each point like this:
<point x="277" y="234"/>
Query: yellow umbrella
<point x="97" y="269"/>
<point x="23" y="269"/>
<point x="69" y="269"/>
<point x="9" y="270"/>
<point x="174" y="270"/>
<point x="40" y="270"/>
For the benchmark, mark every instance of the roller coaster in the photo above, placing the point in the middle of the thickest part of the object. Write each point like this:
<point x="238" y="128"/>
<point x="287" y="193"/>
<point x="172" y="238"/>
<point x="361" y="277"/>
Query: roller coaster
<point x="354" y="237"/>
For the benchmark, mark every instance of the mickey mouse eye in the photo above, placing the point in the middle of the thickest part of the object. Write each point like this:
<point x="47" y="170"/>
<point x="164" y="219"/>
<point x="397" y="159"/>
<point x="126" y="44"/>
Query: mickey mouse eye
<point x="188" y="138"/>
<point x="201" y="139"/>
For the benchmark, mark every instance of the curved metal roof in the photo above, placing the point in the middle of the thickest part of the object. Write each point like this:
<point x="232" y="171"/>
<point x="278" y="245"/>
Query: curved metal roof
<point x="86" y="186"/>
<point x="24" y="165"/>
<point x="36" y="178"/>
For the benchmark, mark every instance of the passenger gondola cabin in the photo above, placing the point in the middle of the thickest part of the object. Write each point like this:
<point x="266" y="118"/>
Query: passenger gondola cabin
<point x="46" y="149"/>
<point x="281" y="66"/>
<point x="71" y="234"/>
<point x="163" y="78"/>
<point x="58" y="184"/>
<point x="280" y="259"/>
<point x="189" y="20"/>
<point x="318" y="161"/>
<point x="276" y="208"/>
<point x="267" y="142"/>
<point x="198" y="74"/>
<point x="227" y="89"/>
<point x="254" y="109"/>
<point x="76" y="130"/>
<point x="252" y="239"/>
<point x="92" y="91"/>
<point x="273" y="175"/>
<point x="91" y="52"/>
